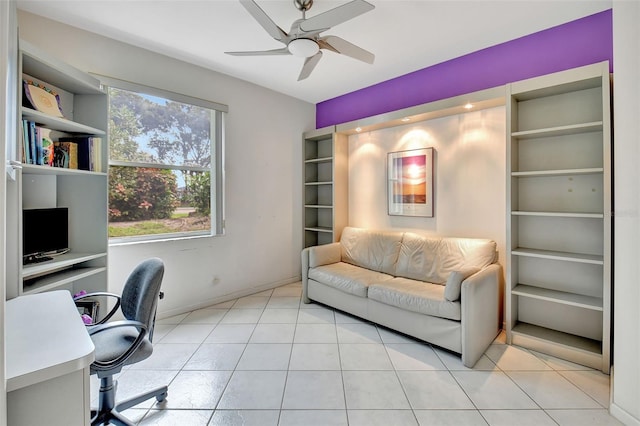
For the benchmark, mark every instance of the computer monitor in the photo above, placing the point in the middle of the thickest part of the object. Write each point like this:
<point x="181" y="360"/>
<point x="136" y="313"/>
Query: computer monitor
<point x="44" y="232"/>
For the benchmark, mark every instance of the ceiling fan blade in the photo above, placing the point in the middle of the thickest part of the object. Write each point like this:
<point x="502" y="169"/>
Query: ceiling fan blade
<point x="264" y="20"/>
<point x="309" y="64"/>
<point x="283" y="51"/>
<point x="336" y="16"/>
<point x="344" y="47"/>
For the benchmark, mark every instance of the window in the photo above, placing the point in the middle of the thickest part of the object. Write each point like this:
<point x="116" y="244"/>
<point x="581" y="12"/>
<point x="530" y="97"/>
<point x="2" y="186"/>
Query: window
<point x="165" y="164"/>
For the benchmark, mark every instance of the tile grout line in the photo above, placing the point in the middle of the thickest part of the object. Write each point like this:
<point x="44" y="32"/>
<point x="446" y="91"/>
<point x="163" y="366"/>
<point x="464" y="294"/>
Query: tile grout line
<point x="338" y="344"/>
<point x="395" y="371"/>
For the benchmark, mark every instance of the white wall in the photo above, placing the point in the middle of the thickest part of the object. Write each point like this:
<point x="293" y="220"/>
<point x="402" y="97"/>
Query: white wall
<point x="8" y="69"/>
<point x="469" y="170"/>
<point x="626" y="94"/>
<point x="261" y="248"/>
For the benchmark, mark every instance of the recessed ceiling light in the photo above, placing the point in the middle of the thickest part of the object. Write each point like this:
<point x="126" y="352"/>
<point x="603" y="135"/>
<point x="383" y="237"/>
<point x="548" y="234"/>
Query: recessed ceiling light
<point x="468" y="105"/>
<point x="358" y="129"/>
<point x="405" y="119"/>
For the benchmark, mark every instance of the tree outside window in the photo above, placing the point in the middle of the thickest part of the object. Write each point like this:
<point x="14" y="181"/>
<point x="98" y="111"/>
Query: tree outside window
<point x="160" y="169"/>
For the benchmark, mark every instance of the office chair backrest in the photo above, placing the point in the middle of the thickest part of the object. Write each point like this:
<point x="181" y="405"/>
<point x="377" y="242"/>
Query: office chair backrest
<point x="141" y="292"/>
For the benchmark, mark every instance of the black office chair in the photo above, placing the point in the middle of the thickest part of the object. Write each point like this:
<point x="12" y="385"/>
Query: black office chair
<point x="120" y="343"/>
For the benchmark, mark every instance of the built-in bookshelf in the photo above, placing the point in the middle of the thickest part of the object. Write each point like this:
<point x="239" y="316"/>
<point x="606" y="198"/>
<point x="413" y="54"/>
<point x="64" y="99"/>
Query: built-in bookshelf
<point x="325" y="186"/>
<point x="558" y="290"/>
<point x="84" y="106"/>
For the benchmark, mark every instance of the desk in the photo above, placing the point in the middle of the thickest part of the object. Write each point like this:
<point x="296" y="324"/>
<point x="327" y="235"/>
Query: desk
<point x="48" y="355"/>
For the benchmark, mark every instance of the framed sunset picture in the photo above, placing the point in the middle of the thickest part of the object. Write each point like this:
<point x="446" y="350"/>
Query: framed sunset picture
<point x="410" y="182"/>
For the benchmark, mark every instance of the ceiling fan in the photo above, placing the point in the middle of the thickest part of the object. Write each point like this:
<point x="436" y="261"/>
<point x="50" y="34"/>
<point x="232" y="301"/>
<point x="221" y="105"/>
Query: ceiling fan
<point x="304" y="38"/>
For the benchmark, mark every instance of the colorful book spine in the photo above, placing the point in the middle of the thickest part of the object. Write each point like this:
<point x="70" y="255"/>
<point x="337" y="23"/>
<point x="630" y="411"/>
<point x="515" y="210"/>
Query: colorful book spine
<point x="96" y="147"/>
<point x="32" y="142"/>
<point x="38" y="146"/>
<point x="82" y="143"/>
<point x="65" y="155"/>
<point x="26" y="145"/>
<point x="48" y="147"/>
<point x="89" y="152"/>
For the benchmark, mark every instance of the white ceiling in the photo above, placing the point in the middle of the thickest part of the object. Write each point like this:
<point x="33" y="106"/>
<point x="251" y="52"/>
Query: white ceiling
<point x="405" y="36"/>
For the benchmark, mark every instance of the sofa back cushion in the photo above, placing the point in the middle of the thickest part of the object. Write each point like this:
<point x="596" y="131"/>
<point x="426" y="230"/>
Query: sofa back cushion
<point x="371" y="249"/>
<point x="432" y="259"/>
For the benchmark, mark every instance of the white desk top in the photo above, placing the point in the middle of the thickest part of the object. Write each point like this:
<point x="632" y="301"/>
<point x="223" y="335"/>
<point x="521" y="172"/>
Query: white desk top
<point x="45" y="338"/>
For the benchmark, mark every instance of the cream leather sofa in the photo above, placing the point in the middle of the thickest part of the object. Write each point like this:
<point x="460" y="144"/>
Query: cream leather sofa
<point x="441" y="290"/>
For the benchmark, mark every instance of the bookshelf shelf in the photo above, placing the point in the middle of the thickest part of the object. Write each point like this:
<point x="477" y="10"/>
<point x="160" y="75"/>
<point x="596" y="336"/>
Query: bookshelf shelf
<point x="319" y="229"/>
<point x="559" y="130"/>
<point x="60" y="124"/>
<point x="56" y="279"/>
<point x="558" y="255"/>
<point x="562" y="345"/>
<point x="558" y="214"/>
<point x="318" y="206"/>
<point x="38" y="63"/>
<point x="319" y="160"/>
<point x="553" y="173"/>
<point x="35" y="169"/>
<point x="556" y="296"/>
<point x="60" y="262"/>
<point x="318" y="183"/>
<point x="84" y="104"/>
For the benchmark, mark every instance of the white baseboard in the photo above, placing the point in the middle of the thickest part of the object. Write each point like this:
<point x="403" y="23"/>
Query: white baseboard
<point x="623" y="415"/>
<point x="226" y="297"/>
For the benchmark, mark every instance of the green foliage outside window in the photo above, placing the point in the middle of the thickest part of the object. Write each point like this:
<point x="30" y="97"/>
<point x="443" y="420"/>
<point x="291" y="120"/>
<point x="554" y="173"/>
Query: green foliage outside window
<point x="141" y="194"/>
<point x="149" y="130"/>
<point x="198" y="193"/>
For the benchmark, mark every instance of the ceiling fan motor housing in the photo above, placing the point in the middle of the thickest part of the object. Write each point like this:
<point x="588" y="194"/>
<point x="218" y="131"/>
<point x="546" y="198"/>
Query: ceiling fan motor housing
<point x="303" y="5"/>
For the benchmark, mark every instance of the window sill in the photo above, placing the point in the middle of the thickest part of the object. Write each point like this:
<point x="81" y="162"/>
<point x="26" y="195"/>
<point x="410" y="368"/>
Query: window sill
<point x="161" y="238"/>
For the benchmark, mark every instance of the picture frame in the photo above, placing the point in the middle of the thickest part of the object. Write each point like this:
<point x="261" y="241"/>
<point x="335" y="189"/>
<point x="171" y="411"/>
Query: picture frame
<point x="410" y="182"/>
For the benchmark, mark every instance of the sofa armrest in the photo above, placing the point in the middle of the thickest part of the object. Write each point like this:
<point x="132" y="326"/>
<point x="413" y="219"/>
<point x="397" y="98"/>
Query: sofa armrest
<point x="312" y="257"/>
<point x="480" y="304"/>
<point x="324" y="255"/>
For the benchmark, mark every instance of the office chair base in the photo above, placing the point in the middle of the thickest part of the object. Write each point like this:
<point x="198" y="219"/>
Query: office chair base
<point x="160" y="394"/>
<point x="110" y="413"/>
<point x="109" y="418"/>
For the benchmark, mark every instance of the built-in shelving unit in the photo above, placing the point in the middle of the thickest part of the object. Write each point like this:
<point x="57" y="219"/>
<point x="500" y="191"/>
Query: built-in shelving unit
<point x="84" y="106"/>
<point x="558" y="291"/>
<point x="325" y="186"/>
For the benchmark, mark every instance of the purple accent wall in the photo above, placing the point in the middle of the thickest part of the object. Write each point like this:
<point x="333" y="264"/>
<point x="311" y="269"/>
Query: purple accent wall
<point x="576" y="43"/>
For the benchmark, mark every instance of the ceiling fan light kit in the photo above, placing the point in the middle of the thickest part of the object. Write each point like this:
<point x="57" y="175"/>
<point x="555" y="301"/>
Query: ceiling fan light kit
<point x="303" y="47"/>
<point x="303" y="39"/>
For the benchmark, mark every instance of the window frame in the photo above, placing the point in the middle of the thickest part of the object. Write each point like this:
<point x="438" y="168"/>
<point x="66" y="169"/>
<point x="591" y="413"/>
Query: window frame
<point x="216" y="169"/>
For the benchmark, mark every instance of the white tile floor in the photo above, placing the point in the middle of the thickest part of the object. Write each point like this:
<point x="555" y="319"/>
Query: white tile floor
<point x="268" y="359"/>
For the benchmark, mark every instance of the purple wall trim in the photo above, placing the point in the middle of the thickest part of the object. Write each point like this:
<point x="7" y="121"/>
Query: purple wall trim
<point x="576" y="43"/>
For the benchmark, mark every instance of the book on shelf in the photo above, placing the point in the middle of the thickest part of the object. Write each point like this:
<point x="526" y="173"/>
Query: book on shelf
<point x="65" y="155"/>
<point x="26" y="147"/>
<point x="37" y="144"/>
<point x="70" y="152"/>
<point x="89" y="151"/>
<point x="47" y="145"/>
<point x="32" y="142"/>
<point x="37" y="96"/>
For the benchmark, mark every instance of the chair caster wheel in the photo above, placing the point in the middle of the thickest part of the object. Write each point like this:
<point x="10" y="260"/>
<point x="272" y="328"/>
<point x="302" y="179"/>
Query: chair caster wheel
<point x="161" y="397"/>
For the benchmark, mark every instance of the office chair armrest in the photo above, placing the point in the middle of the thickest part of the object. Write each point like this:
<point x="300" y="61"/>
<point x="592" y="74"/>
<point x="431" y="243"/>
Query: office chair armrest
<point x="107" y="365"/>
<point x="101" y="294"/>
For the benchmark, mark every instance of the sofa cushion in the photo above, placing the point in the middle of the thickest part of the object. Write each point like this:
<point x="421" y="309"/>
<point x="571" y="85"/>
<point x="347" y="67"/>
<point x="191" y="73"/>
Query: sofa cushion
<point x="415" y="296"/>
<point x="375" y="250"/>
<point x="348" y="278"/>
<point x="417" y="257"/>
<point x="432" y="259"/>
<point x="454" y="282"/>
